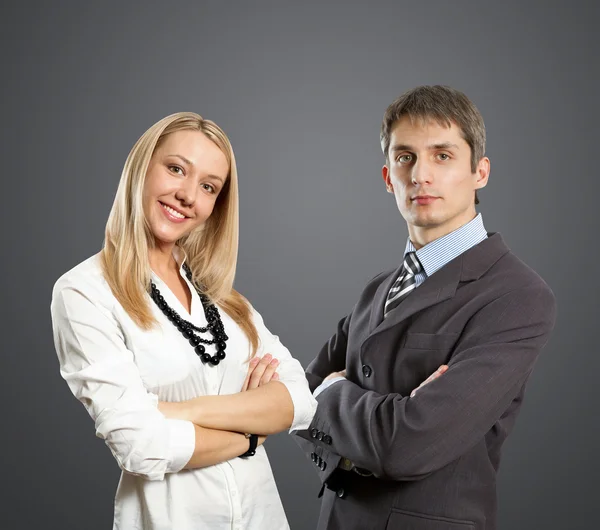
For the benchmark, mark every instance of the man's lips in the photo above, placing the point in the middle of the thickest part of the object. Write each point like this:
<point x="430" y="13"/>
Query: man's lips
<point x="424" y="199"/>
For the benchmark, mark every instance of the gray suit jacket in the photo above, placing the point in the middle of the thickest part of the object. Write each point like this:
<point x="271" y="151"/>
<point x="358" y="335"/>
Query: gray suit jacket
<point x="433" y="457"/>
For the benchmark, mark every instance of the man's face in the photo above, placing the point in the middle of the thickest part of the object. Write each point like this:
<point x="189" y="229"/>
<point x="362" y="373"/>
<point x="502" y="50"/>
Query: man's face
<point x="429" y="172"/>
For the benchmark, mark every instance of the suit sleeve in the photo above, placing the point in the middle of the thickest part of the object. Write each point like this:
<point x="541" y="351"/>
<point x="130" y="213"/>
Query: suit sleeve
<point x="402" y="438"/>
<point x="331" y="358"/>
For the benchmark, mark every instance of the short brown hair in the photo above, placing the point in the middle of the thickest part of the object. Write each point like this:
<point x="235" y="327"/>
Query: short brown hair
<point x="444" y="105"/>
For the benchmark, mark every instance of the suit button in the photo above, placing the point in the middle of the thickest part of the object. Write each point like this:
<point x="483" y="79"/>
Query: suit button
<point x="313" y="457"/>
<point x="341" y="493"/>
<point x="313" y="433"/>
<point x="367" y="370"/>
<point x="323" y="465"/>
<point x="319" y="461"/>
<point x="327" y="439"/>
<point x="320" y="435"/>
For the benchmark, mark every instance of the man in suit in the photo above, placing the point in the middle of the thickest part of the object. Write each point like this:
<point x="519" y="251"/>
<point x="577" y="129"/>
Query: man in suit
<point x="391" y="451"/>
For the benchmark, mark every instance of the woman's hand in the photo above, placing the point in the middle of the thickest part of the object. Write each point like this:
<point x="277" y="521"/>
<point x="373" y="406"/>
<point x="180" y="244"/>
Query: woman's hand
<point x="261" y="372"/>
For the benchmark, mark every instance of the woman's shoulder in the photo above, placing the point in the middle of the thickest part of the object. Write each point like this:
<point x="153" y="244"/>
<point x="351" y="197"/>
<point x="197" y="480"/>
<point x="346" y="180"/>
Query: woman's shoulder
<point x="86" y="277"/>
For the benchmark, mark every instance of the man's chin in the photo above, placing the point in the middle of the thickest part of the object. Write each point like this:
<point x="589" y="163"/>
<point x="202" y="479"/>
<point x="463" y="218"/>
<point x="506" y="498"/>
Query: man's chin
<point x="425" y="221"/>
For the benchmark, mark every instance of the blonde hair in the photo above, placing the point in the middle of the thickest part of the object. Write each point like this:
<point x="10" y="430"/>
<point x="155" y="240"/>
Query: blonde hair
<point x="211" y="249"/>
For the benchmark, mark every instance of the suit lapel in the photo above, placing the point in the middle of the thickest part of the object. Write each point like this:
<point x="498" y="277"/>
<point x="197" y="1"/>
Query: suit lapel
<point x="379" y="299"/>
<point x="442" y="285"/>
<point x="439" y="287"/>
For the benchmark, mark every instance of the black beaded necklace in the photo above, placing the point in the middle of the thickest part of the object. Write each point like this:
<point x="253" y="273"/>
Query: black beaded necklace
<point x="191" y="332"/>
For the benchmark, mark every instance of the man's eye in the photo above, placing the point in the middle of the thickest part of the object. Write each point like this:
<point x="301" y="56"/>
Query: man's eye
<point x="405" y="158"/>
<point x="443" y="156"/>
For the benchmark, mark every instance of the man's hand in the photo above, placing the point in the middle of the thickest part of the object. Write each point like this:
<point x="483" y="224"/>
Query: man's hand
<point x="432" y="377"/>
<point x="335" y="374"/>
<point x="260" y="372"/>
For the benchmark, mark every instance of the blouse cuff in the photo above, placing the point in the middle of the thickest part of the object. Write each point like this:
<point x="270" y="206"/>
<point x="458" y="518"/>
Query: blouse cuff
<point x="182" y="442"/>
<point x="305" y="405"/>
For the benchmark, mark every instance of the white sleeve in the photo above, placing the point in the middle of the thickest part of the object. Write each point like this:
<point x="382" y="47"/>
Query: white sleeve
<point x="291" y="374"/>
<point x="102" y="374"/>
<point x="326" y="384"/>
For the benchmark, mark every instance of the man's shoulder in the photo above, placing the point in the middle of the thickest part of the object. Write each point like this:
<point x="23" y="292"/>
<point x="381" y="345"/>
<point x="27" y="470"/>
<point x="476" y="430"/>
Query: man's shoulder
<point x="512" y="273"/>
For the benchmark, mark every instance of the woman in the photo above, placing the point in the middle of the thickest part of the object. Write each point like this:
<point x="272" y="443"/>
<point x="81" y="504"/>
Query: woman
<point x="155" y="342"/>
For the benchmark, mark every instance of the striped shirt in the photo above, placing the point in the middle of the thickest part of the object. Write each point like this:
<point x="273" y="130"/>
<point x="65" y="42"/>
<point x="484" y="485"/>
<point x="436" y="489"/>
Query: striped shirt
<point x="438" y="253"/>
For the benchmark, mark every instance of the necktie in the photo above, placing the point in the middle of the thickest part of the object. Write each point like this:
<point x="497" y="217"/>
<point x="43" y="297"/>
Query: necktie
<point x="404" y="284"/>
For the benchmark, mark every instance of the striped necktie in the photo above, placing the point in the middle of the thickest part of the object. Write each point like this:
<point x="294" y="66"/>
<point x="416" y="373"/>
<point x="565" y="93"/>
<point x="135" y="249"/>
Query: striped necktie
<point x="404" y="284"/>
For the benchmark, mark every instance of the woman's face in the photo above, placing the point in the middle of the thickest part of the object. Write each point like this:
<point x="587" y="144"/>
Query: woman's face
<point x="185" y="176"/>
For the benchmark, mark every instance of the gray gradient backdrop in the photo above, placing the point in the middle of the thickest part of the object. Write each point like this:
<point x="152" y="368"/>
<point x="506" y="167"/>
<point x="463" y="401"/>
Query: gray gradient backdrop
<point x="300" y="88"/>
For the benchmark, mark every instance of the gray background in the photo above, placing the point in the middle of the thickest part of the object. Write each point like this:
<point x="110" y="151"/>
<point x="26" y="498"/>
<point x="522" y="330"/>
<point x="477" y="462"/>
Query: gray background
<point x="300" y="88"/>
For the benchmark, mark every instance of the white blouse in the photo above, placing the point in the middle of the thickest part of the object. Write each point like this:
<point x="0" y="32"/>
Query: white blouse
<point x="119" y="372"/>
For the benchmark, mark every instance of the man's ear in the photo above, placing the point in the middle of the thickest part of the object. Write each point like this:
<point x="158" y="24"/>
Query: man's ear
<point x="385" y="173"/>
<point x="482" y="173"/>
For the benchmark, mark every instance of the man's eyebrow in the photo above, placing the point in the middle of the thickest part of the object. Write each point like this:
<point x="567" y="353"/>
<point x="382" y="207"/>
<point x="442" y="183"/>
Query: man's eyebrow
<point x="401" y="147"/>
<point x="432" y="147"/>
<point x="443" y="145"/>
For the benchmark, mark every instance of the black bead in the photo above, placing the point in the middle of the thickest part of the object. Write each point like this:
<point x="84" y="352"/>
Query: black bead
<point x="194" y="340"/>
<point x="221" y="345"/>
<point x="200" y="349"/>
<point x="205" y="357"/>
<point x="214" y="360"/>
<point x="221" y="354"/>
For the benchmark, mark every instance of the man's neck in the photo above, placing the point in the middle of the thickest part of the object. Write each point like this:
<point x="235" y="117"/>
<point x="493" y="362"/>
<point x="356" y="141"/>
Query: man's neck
<point x="423" y="235"/>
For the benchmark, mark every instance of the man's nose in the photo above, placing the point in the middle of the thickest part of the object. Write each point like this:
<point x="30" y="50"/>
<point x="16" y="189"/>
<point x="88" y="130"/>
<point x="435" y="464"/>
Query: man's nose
<point x="422" y="173"/>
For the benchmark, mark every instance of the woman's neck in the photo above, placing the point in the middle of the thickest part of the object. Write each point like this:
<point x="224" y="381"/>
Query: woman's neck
<point x="162" y="261"/>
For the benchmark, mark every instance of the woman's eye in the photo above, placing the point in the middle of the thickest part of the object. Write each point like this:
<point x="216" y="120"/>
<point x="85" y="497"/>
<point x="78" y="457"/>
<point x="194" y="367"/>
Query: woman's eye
<point x="176" y="169"/>
<point x="208" y="188"/>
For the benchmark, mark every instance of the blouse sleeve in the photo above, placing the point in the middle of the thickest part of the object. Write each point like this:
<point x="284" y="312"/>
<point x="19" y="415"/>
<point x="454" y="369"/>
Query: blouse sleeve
<point x="291" y="374"/>
<point x="103" y="376"/>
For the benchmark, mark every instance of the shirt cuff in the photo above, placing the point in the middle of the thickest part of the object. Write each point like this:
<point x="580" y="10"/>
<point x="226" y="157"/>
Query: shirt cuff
<point x="304" y="404"/>
<point x="327" y="384"/>
<point x="182" y="442"/>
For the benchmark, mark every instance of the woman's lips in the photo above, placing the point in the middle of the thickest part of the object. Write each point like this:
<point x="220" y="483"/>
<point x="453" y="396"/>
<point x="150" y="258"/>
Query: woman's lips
<point x="171" y="214"/>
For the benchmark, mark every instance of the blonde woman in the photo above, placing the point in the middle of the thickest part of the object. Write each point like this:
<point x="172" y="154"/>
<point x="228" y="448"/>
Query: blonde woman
<point x="178" y="371"/>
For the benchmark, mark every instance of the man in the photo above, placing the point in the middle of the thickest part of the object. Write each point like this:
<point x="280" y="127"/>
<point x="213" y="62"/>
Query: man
<point x="398" y="442"/>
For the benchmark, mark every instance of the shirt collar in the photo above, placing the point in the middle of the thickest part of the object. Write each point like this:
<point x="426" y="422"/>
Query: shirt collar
<point x="180" y="255"/>
<point x="443" y="250"/>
